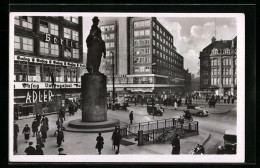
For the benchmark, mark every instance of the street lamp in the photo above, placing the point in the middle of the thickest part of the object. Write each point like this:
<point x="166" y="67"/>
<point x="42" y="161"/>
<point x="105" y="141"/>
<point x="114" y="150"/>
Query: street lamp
<point x="113" y="73"/>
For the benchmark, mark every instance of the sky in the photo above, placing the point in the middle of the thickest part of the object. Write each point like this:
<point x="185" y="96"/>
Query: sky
<point x="191" y="35"/>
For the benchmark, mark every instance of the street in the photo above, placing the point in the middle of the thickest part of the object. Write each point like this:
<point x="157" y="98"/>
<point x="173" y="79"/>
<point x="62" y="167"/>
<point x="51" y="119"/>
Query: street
<point x="83" y="143"/>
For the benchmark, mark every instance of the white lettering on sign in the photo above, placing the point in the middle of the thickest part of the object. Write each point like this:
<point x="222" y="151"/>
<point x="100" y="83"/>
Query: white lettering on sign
<point x="47" y="37"/>
<point x="40" y="96"/>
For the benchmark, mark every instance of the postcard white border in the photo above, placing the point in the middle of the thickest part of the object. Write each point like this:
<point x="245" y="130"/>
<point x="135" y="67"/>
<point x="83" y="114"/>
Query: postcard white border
<point x="238" y="158"/>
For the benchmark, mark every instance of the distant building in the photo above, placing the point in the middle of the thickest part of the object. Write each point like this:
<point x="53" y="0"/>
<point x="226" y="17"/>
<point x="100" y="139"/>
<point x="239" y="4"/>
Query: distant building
<point x="218" y="67"/>
<point x="187" y="82"/>
<point x="47" y="50"/>
<point x="195" y="84"/>
<point x="145" y="57"/>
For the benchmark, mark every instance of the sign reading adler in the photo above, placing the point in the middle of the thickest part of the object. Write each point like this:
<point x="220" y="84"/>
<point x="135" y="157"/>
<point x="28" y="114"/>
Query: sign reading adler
<point x="38" y="96"/>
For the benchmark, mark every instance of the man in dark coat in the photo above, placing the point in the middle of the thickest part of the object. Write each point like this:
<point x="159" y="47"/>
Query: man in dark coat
<point x="38" y="118"/>
<point x="44" y="128"/>
<point x="131" y="117"/>
<point x="176" y="145"/>
<point x="35" y="127"/>
<point x="100" y="143"/>
<point x="16" y="131"/>
<point x="96" y="46"/>
<point x="60" y="137"/>
<point x="30" y="150"/>
<point x="62" y="114"/>
<point x="116" y="137"/>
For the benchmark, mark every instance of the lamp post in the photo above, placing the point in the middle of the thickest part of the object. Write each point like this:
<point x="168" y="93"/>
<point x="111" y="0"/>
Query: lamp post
<point x="113" y="73"/>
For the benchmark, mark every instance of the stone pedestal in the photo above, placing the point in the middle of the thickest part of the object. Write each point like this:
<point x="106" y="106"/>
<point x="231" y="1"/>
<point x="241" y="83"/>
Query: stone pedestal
<point x="94" y="97"/>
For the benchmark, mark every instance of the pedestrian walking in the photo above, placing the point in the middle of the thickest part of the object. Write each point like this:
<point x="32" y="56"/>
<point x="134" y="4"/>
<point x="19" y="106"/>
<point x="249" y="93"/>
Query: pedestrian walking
<point x="45" y="121"/>
<point x="26" y="132"/>
<point x="60" y="137"/>
<point x="38" y="150"/>
<point x="38" y="118"/>
<point x="16" y="131"/>
<point x="233" y="99"/>
<point x="44" y="128"/>
<point x="116" y="137"/>
<point x="175" y="105"/>
<point x="30" y="150"/>
<point x="60" y="150"/>
<point x="71" y="109"/>
<point x="176" y="145"/>
<point x="131" y="117"/>
<point x="39" y="139"/>
<point x="100" y="143"/>
<point x="34" y="127"/>
<point x="62" y="114"/>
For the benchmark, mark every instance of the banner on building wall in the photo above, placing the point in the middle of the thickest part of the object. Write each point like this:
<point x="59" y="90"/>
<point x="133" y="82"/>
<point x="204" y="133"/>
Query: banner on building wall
<point x="46" y="61"/>
<point x="45" y="85"/>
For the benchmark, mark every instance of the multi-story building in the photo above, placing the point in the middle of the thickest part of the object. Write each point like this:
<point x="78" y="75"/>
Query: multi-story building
<point x="145" y="58"/>
<point x="218" y="67"/>
<point x="195" y="83"/>
<point x="48" y="59"/>
<point x="187" y="82"/>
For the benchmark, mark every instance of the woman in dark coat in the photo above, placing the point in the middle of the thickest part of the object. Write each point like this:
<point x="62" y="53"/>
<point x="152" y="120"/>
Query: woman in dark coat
<point x="60" y="137"/>
<point x="44" y="129"/>
<point x="26" y="132"/>
<point x="176" y="145"/>
<point x="100" y="143"/>
<point x="38" y="150"/>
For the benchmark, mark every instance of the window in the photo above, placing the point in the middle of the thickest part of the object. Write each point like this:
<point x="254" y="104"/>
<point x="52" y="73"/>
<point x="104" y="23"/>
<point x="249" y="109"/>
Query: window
<point x="44" y="48"/>
<point x="205" y="81"/>
<point x="142" y="23"/>
<point x="112" y="44"/>
<point x="24" y="21"/>
<point x="75" y="35"/>
<point x="112" y="36"/>
<point x="54" y="49"/>
<point x="73" y="19"/>
<point x="27" y="44"/>
<point x="154" y="33"/>
<point x="48" y="48"/>
<point x="147" y="32"/>
<point x="226" y="51"/>
<point x="54" y="29"/>
<point x="44" y="26"/>
<point x="67" y="52"/>
<point x="75" y="53"/>
<point x="140" y="51"/>
<point x="214" y="51"/>
<point x="112" y="27"/>
<point x="17" y="43"/>
<point x="147" y="69"/>
<point x="67" y="33"/>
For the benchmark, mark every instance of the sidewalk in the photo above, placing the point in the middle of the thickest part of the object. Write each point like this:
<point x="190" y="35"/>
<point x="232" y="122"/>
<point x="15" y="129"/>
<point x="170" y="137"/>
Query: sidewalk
<point x="84" y="143"/>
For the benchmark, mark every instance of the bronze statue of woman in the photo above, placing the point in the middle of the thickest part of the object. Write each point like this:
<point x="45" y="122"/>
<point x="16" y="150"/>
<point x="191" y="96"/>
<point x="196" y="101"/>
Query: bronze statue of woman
<point x="96" y="46"/>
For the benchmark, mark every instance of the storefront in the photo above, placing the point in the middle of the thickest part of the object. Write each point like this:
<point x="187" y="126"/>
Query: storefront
<point x="30" y="100"/>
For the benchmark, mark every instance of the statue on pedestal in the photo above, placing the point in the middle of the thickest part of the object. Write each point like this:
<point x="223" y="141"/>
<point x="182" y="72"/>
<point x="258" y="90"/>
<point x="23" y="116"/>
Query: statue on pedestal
<point x="96" y="46"/>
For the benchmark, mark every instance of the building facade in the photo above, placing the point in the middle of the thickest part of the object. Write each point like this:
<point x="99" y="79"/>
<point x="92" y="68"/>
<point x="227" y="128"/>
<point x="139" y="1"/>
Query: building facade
<point x="187" y="82"/>
<point x="48" y="59"/>
<point x="218" y="67"/>
<point x="145" y="58"/>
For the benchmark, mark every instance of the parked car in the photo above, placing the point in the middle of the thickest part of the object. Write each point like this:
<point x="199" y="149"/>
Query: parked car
<point x="194" y="110"/>
<point x="155" y="109"/>
<point x="121" y="103"/>
<point x="230" y="143"/>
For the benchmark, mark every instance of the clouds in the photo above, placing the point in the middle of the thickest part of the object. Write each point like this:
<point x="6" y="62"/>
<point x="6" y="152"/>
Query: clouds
<point x="191" y="35"/>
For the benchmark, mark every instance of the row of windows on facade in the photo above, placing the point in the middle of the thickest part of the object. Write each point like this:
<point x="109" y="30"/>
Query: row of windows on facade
<point x="47" y="27"/>
<point x="216" y="71"/>
<point x="146" y="23"/>
<point x="216" y="81"/>
<point x="107" y="28"/>
<point x="163" y="40"/>
<point x="26" y="44"/>
<point x="220" y="51"/>
<point x="24" y="72"/>
<point x="165" y="49"/>
<point x="215" y="62"/>
<point x="176" y="60"/>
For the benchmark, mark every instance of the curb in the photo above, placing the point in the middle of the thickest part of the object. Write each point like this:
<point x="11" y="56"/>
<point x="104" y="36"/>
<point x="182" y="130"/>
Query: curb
<point x="202" y="142"/>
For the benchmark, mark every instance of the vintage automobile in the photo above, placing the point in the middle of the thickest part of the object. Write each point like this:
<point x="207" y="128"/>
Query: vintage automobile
<point x="121" y="103"/>
<point x="230" y="143"/>
<point x="194" y="110"/>
<point x="155" y="109"/>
